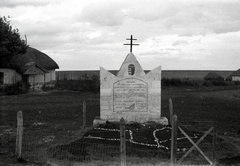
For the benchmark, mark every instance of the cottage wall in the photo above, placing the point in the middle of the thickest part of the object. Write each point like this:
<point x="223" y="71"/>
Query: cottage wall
<point x="50" y="76"/>
<point x="235" y="78"/>
<point x="10" y="76"/>
<point x="37" y="81"/>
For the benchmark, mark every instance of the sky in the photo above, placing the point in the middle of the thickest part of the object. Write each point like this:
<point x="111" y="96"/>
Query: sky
<point x="174" y="34"/>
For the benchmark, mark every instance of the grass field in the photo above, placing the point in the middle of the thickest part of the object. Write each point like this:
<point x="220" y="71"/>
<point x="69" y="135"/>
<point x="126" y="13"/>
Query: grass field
<point x="56" y="116"/>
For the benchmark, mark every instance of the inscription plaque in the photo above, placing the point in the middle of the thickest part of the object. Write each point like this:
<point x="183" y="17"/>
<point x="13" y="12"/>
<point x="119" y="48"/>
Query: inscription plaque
<point x="130" y="94"/>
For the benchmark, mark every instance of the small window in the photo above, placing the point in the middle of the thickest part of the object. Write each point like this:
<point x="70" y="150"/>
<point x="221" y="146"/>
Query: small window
<point x="131" y="69"/>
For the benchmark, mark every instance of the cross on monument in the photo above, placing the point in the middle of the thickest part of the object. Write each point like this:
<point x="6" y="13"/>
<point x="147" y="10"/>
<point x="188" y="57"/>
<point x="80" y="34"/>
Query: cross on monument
<point x="131" y="44"/>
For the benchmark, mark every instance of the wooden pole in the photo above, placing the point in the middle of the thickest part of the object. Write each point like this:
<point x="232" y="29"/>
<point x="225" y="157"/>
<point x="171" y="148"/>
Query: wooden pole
<point x="195" y="145"/>
<point x="173" y="141"/>
<point x="84" y="115"/>
<point x="214" y="144"/>
<point x="171" y="111"/>
<point x="198" y="142"/>
<point x="19" y="134"/>
<point x="122" y="142"/>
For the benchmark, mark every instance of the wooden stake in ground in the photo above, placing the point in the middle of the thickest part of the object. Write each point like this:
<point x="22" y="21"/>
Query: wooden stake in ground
<point x="214" y="144"/>
<point x="174" y="141"/>
<point x="19" y="134"/>
<point x="171" y="111"/>
<point x="84" y="115"/>
<point x="122" y="142"/>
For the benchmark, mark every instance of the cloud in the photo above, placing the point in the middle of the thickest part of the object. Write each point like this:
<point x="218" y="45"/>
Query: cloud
<point x="151" y="10"/>
<point x="15" y="3"/>
<point x="50" y="27"/>
<point x="187" y="17"/>
<point x="103" y="14"/>
<point x="179" y="42"/>
<point x="177" y="34"/>
<point x="196" y="18"/>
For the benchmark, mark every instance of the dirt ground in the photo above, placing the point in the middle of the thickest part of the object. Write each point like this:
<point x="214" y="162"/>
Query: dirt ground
<point x="54" y="117"/>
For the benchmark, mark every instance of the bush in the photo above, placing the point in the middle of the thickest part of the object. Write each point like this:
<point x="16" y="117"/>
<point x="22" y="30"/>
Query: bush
<point x="73" y="85"/>
<point x="89" y="85"/>
<point x="166" y="82"/>
<point x="171" y="82"/>
<point x="207" y="83"/>
<point x="2" y="87"/>
<point x="216" y="82"/>
<point x="49" y="86"/>
<point x="14" y="89"/>
<point x="236" y="82"/>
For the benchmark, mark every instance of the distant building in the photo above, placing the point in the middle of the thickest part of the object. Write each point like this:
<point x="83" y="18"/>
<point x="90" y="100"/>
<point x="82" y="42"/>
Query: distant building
<point x="213" y="76"/>
<point x="235" y="76"/>
<point x="34" y="68"/>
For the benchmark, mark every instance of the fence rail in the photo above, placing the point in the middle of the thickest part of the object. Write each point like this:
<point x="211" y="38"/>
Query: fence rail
<point x="195" y="133"/>
<point x="192" y="142"/>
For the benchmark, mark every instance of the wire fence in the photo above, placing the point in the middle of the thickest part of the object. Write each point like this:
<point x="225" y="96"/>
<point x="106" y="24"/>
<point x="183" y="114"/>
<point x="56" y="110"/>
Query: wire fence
<point x="100" y="146"/>
<point x="90" y="151"/>
<point x="103" y="147"/>
<point x="43" y="150"/>
<point x="145" y="145"/>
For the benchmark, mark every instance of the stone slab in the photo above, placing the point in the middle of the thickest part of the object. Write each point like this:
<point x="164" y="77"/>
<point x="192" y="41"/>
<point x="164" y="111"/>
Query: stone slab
<point x="130" y="94"/>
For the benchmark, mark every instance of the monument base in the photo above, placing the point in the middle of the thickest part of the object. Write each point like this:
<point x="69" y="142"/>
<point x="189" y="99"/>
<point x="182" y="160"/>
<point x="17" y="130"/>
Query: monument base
<point x="97" y="121"/>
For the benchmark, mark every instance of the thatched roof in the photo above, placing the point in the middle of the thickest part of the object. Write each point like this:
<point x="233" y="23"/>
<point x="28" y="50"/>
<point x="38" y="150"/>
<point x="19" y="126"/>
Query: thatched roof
<point x="40" y="59"/>
<point x="212" y="76"/>
<point x="32" y="68"/>
<point x="236" y="73"/>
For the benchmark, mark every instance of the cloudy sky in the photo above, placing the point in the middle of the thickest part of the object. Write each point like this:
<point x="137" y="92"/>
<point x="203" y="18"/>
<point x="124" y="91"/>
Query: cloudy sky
<point x="87" y="34"/>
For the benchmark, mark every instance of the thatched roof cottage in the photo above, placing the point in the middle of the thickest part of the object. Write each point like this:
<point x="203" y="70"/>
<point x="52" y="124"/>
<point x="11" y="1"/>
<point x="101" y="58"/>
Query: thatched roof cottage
<point x="235" y="76"/>
<point x="34" y="68"/>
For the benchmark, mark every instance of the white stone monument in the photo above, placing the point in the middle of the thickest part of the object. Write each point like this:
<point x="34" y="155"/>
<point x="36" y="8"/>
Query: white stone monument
<point x="131" y="94"/>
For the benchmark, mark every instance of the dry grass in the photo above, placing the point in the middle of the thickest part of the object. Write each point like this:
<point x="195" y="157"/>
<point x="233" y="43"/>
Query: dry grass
<point x="54" y="118"/>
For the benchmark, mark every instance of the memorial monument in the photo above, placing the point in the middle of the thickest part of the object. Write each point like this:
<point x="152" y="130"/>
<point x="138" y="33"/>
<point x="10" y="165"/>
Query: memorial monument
<point x="131" y="94"/>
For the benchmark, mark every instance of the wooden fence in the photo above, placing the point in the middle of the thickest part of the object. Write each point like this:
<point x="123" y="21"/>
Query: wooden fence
<point x="195" y="145"/>
<point x="123" y="142"/>
<point x="19" y="138"/>
<point x="176" y="129"/>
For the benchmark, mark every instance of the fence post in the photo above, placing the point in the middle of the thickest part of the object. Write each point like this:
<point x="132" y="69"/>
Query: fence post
<point x="84" y="115"/>
<point x="174" y="141"/>
<point x="171" y="111"/>
<point x="122" y="142"/>
<point x="19" y="134"/>
<point x="214" y="145"/>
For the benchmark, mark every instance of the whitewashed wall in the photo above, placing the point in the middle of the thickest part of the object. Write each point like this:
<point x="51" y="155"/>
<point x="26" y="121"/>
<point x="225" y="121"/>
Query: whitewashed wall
<point x="235" y="78"/>
<point x="50" y="76"/>
<point x="37" y="81"/>
<point x="10" y="76"/>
